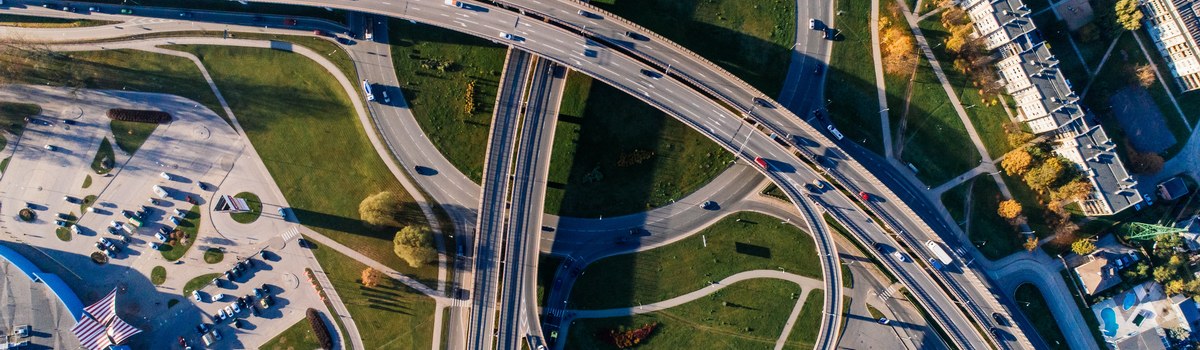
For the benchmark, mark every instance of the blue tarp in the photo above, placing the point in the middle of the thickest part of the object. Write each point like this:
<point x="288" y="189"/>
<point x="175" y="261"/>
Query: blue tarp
<point x="56" y="284"/>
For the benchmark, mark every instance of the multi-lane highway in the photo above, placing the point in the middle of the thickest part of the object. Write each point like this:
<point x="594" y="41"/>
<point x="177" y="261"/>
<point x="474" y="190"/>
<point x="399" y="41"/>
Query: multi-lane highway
<point x="489" y="240"/>
<point x="518" y="310"/>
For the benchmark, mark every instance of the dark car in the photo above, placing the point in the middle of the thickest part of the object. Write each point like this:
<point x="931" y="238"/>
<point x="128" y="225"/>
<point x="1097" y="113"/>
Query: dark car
<point x="636" y="36"/>
<point x="182" y="342"/>
<point x="1000" y="320"/>
<point x="709" y="205"/>
<point x="201" y="329"/>
<point x="652" y="74"/>
<point x="290" y="21"/>
<point x="345" y="41"/>
<point x="879" y="247"/>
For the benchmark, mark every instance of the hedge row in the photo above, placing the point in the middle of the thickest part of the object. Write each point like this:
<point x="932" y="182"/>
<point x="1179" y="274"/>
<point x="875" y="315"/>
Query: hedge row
<point x="318" y="326"/>
<point x="140" y="116"/>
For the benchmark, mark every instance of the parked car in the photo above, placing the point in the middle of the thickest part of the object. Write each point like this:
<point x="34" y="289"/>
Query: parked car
<point x="832" y="130"/>
<point x="812" y="23"/>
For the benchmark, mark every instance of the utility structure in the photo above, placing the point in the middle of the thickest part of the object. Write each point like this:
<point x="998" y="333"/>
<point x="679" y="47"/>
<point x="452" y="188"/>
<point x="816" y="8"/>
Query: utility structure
<point x="1145" y="232"/>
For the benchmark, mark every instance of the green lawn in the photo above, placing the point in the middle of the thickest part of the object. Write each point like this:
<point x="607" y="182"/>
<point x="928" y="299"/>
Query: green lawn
<point x="598" y="127"/>
<point x="955" y="201"/>
<point x="255" y="208"/>
<point x="389" y="316"/>
<point x="1116" y="75"/>
<point x="298" y="336"/>
<point x="437" y="96"/>
<point x="105" y="152"/>
<point x="131" y="135"/>
<point x="87" y="181"/>
<point x="173" y="250"/>
<point x="935" y="140"/>
<point x="989" y="232"/>
<point x="746" y="315"/>
<point x="750" y="38"/>
<point x="114" y="69"/>
<point x="808" y="324"/>
<point x="213" y="255"/>
<point x="63" y="234"/>
<point x="158" y="275"/>
<point x="4" y="164"/>
<point x="22" y="21"/>
<point x="987" y="115"/>
<point x="851" y="77"/>
<point x="772" y="190"/>
<point x="12" y="116"/>
<point x="1033" y="205"/>
<point x="1189" y="102"/>
<point x="1030" y="300"/>
<point x="86" y="202"/>
<point x="198" y="282"/>
<point x="282" y="115"/>
<point x="250" y="7"/>
<point x="547" y="267"/>
<point x="758" y="242"/>
<point x="1055" y="32"/>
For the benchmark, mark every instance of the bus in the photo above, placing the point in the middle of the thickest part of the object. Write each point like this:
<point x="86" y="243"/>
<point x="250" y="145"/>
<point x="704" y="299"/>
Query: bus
<point x="366" y="86"/>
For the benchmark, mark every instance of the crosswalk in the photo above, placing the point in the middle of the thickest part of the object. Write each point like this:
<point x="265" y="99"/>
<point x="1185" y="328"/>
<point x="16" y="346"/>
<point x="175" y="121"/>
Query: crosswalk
<point x="887" y="293"/>
<point x="290" y="234"/>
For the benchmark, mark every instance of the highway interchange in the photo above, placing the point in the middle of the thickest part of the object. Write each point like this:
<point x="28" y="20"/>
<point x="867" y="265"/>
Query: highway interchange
<point x="620" y="62"/>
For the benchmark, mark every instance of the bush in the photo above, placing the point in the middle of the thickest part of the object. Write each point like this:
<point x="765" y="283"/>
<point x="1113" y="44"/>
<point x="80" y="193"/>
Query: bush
<point x="140" y="116"/>
<point x="627" y="338"/>
<point x="381" y="209"/>
<point x="318" y="327"/>
<point x="415" y="246"/>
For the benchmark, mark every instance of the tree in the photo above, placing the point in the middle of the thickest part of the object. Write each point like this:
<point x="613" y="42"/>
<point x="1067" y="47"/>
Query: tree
<point x="1176" y="261"/>
<point x="1044" y="175"/>
<point x="415" y="245"/>
<point x="1072" y="191"/>
<point x="1168" y="241"/>
<point x="1137" y="272"/>
<point x="1031" y="244"/>
<point x="1163" y="273"/>
<point x="371" y="277"/>
<point x="1128" y="14"/>
<point x="1009" y="209"/>
<point x="898" y="50"/>
<point x="381" y="209"/>
<point x="1083" y="247"/>
<point x="1144" y="74"/>
<point x="1179" y="333"/>
<point x="1017" y="162"/>
<point x="1144" y="163"/>
<point x="1173" y="287"/>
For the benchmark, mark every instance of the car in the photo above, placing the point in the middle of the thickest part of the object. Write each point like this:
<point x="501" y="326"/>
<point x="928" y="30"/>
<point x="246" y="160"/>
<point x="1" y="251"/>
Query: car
<point x="69" y="121"/>
<point x="266" y="302"/>
<point x="1000" y="320"/>
<point x="113" y="231"/>
<point x="510" y="36"/>
<point x="883" y="320"/>
<point x="996" y="333"/>
<point x="100" y="246"/>
<point x="812" y="23"/>
<point x="900" y="256"/>
<point x="60" y="223"/>
<point x="832" y="130"/>
<point x="817" y="69"/>
<point x="110" y="254"/>
<point x="709" y="205"/>
<point x="290" y="21"/>
<point x="51" y="148"/>
<point x="116" y="224"/>
<point x="303" y="243"/>
<point x="762" y="162"/>
<point x="265" y="289"/>
<point x="127" y="214"/>
<point x="385" y="97"/>
<point x="879" y="247"/>
<point x="237" y="323"/>
<point x="179" y="212"/>
<point x="282" y="212"/>
<point x="218" y="334"/>
<point x="182" y="342"/>
<point x="229" y="309"/>
<point x="828" y="33"/>
<point x="652" y="74"/>
<point x="161" y="237"/>
<point x="241" y="301"/>
<point x="586" y="14"/>
<point x="636" y="36"/>
<point x="185" y="15"/>
<point x="864" y="196"/>
<point x="154" y="246"/>
<point x="90" y="8"/>
<point x="319" y="32"/>
<point x="202" y="327"/>
<point x="818" y="184"/>
<point x="221" y="314"/>
<point x="262" y="254"/>
<point x="345" y="41"/>
<point x="218" y="297"/>
<point x="253" y="310"/>
<point x="126" y="11"/>
<point x="229" y="276"/>
<point x="203" y="186"/>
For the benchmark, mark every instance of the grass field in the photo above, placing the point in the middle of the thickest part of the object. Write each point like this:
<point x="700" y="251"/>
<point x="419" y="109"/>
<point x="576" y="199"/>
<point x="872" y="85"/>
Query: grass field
<point x="213" y="255"/>
<point x="935" y="140"/>
<point x="851" y="77"/>
<point x="131" y="135"/>
<point x="987" y="115"/>
<point x="750" y="38"/>
<point x="598" y="126"/>
<point x="808" y="324"/>
<point x="1056" y="35"/>
<point x="255" y="208"/>
<point x="249" y="7"/>
<point x="746" y="315"/>
<point x="158" y="275"/>
<point x="437" y="96"/>
<point x="955" y="201"/>
<point x="756" y="242"/>
<point x="173" y="250"/>
<point x="22" y="21"/>
<point x="282" y="115"/>
<point x="197" y="283"/>
<point x="389" y="316"/>
<point x="12" y="117"/>
<point x="1189" y="102"/>
<point x="105" y="152"/>
<point x="547" y="267"/>
<point x="118" y="70"/>
<point x="989" y="232"/>
<point x="297" y="337"/>
<point x="1030" y="300"/>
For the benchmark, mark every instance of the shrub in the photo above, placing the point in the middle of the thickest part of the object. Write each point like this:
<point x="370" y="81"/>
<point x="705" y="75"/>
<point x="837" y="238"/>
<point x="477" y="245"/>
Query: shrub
<point x="627" y="338"/>
<point x="140" y="116"/>
<point x="414" y="245"/>
<point x="381" y="209"/>
<point x="318" y="327"/>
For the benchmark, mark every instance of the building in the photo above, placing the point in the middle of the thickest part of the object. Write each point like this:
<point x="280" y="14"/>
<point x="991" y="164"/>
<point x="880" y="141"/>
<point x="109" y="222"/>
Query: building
<point x="1097" y="274"/>
<point x="1174" y="26"/>
<point x="1172" y="189"/>
<point x="1047" y="102"/>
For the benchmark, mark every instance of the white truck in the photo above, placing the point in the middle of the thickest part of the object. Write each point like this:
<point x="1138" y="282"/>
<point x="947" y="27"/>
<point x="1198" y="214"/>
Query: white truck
<point x="940" y="259"/>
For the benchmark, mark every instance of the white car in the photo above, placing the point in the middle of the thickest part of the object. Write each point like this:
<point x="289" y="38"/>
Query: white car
<point x="385" y="97"/>
<point x="511" y="37"/>
<point x="196" y="295"/>
<point x="218" y="297"/>
<point x="812" y="23"/>
<point x="899" y="256"/>
<point x="832" y="130"/>
<point x="236" y="309"/>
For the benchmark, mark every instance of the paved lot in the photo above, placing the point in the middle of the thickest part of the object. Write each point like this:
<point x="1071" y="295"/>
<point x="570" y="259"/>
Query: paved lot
<point x="23" y="302"/>
<point x="197" y="146"/>
<point x="1141" y="120"/>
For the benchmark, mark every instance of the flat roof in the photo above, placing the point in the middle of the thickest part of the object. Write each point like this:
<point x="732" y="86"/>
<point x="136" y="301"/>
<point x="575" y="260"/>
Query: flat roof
<point x="1104" y="167"/>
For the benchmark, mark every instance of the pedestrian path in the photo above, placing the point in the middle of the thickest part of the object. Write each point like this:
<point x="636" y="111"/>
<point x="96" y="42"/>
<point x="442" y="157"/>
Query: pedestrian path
<point x="806" y="283"/>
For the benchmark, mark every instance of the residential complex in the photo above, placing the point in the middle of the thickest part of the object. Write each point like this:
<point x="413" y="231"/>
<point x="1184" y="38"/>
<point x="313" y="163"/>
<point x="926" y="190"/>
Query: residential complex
<point x="1049" y="105"/>
<point x="1173" y="26"/>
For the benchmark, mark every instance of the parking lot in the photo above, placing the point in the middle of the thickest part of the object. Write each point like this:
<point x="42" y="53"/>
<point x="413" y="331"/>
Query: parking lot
<point x="196" y="147"/>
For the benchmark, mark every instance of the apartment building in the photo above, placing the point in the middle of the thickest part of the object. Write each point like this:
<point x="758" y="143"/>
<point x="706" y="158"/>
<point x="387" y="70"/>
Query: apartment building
<point x="1174" y="26"/>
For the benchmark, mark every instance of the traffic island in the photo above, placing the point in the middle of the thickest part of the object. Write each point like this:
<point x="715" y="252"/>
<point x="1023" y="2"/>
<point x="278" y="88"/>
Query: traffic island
<point x="26" y="215"/>
<point x="213" y="255"/>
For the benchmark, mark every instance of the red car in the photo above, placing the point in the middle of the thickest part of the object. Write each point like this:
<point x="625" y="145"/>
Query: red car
<point x="761" y="162"/>
<point x="290" y="21"/>
<point x="864" y="196"/>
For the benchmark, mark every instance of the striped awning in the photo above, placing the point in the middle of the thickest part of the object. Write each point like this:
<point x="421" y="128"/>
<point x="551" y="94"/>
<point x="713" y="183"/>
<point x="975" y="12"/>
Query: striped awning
<point x="100" y="327"/>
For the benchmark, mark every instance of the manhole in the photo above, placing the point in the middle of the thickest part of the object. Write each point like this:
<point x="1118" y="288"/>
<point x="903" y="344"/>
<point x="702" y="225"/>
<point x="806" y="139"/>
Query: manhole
<point x="201" y="133"/>
<point x="71" y="113"/>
